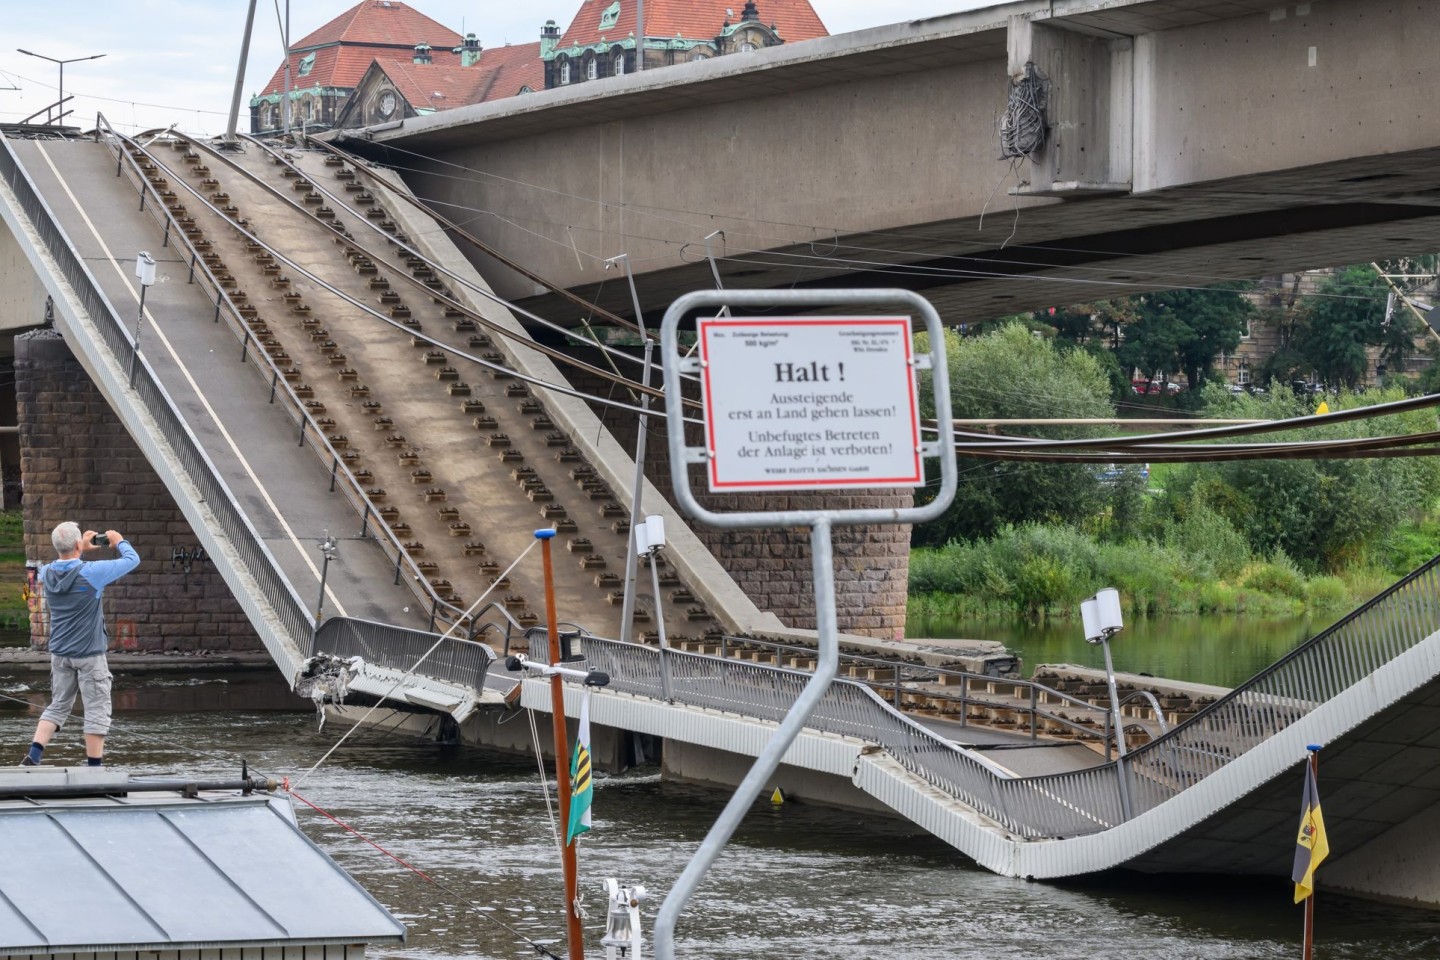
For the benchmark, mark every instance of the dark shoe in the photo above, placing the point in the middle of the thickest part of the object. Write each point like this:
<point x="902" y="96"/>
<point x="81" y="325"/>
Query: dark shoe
<point x="25" y="761"/>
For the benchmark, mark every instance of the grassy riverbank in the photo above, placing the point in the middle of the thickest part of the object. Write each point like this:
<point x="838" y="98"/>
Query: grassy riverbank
<point x="13" y="612"/>
<point x="1044" y="572"/>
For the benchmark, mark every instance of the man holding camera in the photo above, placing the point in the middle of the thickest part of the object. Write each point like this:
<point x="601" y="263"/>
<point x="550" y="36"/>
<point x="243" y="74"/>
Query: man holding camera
<point x="73" y="592"/>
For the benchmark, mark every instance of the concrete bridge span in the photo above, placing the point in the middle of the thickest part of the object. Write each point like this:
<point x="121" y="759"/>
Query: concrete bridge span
<point x="1187" y="142"/>
<point x="905" y="733"/>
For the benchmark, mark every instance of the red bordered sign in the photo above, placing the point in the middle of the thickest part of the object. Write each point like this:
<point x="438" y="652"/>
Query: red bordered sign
<point x="809" y="403"/>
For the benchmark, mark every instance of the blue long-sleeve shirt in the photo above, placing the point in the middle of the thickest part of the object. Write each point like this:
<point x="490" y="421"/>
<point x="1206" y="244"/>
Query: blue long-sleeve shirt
<point x="74" y="590"/>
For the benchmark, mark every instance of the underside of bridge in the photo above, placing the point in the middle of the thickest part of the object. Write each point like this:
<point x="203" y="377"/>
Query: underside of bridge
<point x="1186" y="144"/>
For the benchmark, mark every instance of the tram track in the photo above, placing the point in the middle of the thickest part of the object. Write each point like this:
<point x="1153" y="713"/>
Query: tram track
<point x="443" y="565"/>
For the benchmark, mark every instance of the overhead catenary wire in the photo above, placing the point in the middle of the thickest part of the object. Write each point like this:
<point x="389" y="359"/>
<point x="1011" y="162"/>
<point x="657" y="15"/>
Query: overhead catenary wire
<point x="428" y="878"/>
<point x="447" y="301"/>
<point x="462" y="354"/>
<point x="1173" y="447"/>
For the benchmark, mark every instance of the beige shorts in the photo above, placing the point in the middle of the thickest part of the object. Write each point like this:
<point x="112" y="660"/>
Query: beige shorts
<point x="88" y="676"/>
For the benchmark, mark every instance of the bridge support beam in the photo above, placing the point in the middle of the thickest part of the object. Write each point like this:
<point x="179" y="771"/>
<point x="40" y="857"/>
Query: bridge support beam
<point x="1088" y="82"/>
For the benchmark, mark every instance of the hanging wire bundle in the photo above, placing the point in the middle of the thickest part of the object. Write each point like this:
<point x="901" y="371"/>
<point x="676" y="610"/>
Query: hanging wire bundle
<point x="1022" y="125"/>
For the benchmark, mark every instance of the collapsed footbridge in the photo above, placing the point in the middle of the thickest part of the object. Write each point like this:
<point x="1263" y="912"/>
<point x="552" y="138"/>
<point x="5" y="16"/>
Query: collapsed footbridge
<point x="321" y="360"/>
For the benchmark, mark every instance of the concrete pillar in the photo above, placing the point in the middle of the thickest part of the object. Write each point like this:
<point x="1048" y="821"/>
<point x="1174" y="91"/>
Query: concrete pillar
<point x="78" y="463"/>
<point x="1089" y="82"/>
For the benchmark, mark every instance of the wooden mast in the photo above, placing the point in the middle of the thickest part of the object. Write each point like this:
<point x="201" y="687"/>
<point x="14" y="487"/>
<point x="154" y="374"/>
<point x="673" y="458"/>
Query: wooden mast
<point x="573" y="932"/>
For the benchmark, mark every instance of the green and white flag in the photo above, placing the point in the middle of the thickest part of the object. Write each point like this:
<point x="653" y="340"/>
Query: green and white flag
<point x="581" y="786"/>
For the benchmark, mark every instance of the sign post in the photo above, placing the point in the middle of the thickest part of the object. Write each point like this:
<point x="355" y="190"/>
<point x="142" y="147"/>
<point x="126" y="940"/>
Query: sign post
<point x="801" y="403"/>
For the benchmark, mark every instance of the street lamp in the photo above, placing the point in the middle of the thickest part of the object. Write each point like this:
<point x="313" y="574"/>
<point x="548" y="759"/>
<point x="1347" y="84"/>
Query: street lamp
<point x="328" y="551"/>
<point x="61" y="105"/>
<point x="145" y="273"/>
<point x="649" y="538"/>
<point x="1102" y="620"/>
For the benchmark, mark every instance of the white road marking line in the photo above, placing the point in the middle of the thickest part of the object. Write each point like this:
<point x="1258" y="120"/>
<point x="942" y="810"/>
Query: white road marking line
<point x="185" y="371"/>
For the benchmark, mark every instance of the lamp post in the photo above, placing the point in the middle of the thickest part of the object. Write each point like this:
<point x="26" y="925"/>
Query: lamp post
<point x="649" y="538"/>
<point x="1102" y="620"/>
<point x="327" y="550"/>
<point x="145" y="273"/>
<point x="627" y="608"/>
<point x="61" y="105"/>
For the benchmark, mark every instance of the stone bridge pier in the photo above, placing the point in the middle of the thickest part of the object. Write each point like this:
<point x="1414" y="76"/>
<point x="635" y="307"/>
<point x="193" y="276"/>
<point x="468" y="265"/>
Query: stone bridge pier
<point x="79" y="464"/>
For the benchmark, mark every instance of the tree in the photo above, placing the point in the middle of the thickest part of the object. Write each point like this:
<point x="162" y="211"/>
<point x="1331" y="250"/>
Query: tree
<point x="1184" y="331"/>
<point x="1084" y="323"/>
<point x="1340" y="322"/>
<point x="1324" y="514"/>
<point x="1012" y="373"/>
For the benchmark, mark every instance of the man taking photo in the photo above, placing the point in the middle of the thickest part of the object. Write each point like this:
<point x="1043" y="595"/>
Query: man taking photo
<point x="73" y="592"/>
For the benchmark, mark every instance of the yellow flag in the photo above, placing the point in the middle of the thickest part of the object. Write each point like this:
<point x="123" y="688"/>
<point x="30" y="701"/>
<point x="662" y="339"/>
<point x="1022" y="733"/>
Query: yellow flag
<point x="1311" y="847"/>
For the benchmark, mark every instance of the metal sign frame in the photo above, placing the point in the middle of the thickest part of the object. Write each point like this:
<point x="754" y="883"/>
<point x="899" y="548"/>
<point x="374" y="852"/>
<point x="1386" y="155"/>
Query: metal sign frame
<point x="819" y="521"/>
<point x="682" y="455"/>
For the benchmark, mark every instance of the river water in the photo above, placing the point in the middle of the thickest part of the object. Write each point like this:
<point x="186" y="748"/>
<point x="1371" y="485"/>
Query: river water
<point x="798" y="881"/>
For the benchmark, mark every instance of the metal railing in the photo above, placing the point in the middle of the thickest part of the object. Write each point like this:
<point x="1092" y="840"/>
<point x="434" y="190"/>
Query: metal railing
<point x="850" y="709"/>
<point x="1318" y="670"/>
<point x="455" y="660"/>
<point x="309" y="431"/>
<point x="1065" y="804"/>
<point x="156" y="402"/>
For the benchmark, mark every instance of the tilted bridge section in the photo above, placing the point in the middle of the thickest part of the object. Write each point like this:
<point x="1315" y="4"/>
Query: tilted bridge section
<point x="1215" y="793"/>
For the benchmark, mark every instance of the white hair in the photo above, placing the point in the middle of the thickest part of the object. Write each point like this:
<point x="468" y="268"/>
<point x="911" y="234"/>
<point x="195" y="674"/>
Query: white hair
<point x="66" y="537"/>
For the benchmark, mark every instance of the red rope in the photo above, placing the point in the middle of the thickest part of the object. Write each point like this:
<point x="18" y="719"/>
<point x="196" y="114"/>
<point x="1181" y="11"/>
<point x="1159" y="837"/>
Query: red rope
<point x="286" y="787"/>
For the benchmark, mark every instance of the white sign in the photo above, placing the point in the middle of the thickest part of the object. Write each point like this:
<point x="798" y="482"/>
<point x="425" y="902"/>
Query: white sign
<point x="809" y="403"/>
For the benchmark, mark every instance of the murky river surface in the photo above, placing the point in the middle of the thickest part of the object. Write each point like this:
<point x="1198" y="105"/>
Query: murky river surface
<point x="798" y="881"/>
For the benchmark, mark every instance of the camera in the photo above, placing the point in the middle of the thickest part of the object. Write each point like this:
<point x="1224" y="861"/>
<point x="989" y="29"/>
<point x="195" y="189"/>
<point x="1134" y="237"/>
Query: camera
<point x="100" y="540"/>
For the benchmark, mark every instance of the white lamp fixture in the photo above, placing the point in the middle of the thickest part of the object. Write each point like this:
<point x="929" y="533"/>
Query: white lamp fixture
<point x="144" y="268"/>
<point x="1090" y="617"/>
<point x="1108" y="602"/>
<point x="650" y="535"/>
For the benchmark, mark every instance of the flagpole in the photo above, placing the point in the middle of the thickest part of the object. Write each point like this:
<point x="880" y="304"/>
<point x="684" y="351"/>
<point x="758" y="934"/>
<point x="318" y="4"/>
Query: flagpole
<point x="574" y="934"/>
<point x="1309" y="948"/>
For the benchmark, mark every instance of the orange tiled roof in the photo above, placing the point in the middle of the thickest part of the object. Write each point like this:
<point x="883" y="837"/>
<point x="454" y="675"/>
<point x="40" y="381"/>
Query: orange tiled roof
<point x="692" y="19"/>
<point x="437" y="86"/>
<point x="515" y="67"/>
<point x="500" y="73"/>
<point x="345" y="47"/>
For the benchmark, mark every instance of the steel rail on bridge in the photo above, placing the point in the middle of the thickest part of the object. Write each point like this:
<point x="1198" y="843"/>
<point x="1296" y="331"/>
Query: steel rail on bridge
<point x="457" y="660"/>
<point x="156" y="402"/>
<point x="310" y="432"/>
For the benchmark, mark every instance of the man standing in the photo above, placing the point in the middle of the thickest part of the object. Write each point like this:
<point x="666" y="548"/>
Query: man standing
<point x="73" y="591"/>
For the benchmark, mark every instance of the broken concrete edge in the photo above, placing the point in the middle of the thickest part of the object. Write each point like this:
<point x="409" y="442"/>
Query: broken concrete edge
<point x="701" y="571"/>
<point x="1160" y="686"/>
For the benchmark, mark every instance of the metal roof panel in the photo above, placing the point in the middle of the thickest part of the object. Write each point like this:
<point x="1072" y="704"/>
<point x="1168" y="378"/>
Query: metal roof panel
<point x="87" y="875"/>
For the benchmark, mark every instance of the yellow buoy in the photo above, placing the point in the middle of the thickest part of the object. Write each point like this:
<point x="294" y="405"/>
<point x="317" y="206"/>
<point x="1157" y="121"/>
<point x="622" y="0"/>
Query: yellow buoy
<point x="778" y="796"/>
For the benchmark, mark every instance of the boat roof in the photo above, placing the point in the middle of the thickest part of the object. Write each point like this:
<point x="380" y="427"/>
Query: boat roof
<point x="164" y="871"/>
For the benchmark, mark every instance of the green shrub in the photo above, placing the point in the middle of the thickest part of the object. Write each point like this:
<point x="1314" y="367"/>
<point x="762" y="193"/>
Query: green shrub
<point x="1278" y="577"/>
<point x="1215" y="547"/>
<point x="1217" y="597"/>
<point x="1328" y="594"/>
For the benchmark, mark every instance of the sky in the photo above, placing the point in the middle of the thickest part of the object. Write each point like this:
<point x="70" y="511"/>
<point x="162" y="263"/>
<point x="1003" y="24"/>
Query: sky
<point x="174" y="61"/>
